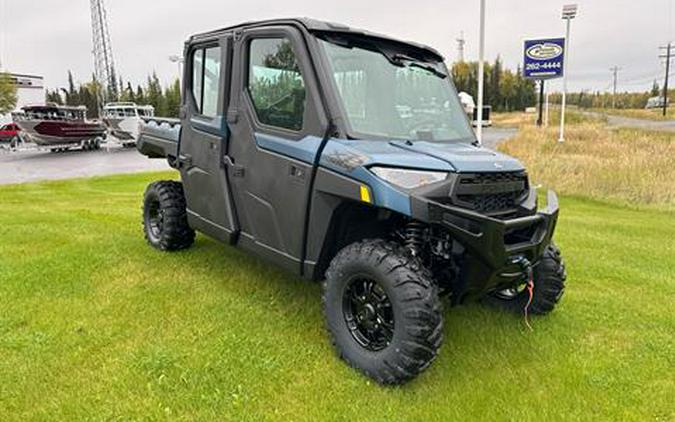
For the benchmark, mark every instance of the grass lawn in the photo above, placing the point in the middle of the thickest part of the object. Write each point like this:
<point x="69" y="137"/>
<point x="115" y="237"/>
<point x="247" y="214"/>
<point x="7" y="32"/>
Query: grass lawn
<point x="627" y="165"/>
<point x="95" y="324"/>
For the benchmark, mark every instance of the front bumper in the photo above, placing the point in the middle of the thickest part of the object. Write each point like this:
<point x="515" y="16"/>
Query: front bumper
<point x="493" y="244"/>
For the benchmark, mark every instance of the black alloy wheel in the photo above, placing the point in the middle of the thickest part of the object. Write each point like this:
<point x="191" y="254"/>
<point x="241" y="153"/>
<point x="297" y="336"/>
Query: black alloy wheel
<point x="368" y="313"/>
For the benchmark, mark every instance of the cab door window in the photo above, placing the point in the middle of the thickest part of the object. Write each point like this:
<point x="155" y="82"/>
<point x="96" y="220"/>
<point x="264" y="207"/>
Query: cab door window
<point x="275" y="83"/>
<point x="206" y="67"/>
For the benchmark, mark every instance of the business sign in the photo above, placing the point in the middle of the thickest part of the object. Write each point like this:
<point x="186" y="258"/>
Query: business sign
<point x="544" y="58"/>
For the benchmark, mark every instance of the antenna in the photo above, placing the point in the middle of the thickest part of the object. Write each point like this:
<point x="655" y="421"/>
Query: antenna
<point x="104" y="67"/>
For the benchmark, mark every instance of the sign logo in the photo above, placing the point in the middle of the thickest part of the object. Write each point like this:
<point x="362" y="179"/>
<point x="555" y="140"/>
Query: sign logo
<point x="544" y="58"/>
<point x="544" y="51"/>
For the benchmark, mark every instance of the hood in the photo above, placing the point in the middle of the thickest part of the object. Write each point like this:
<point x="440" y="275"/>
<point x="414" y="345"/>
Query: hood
<point x="463" y="157"/>
<point x="441" y="156"/>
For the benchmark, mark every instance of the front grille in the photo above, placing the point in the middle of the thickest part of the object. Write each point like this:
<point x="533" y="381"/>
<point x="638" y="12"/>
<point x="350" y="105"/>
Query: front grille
<point x="490" y="193"/>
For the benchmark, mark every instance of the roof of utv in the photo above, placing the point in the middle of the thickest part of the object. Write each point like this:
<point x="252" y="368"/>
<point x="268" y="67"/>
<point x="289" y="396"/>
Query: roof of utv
<point x="313" y="25"/>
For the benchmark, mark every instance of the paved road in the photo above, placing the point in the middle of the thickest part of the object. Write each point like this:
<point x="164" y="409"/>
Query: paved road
<point x="629" y="122"/>
<point x="33" y="166"/>
<point x="493" y="136"/>
<point x="619" y="121"/>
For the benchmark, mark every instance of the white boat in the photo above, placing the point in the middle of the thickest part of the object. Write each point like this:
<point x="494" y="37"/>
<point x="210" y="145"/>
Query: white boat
<point x="123" y="119"/>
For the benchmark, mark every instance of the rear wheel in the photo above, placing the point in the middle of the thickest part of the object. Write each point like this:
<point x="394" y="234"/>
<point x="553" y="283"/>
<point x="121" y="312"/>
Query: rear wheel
<point x="549" y="287"/>
<point x="382" y="311"/>
<point x="165" y="217"/>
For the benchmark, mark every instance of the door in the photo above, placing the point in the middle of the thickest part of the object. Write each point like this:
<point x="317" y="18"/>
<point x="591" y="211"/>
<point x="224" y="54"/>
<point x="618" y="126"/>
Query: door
<point x="276" y="126"/>
<point x="204" y="139"/>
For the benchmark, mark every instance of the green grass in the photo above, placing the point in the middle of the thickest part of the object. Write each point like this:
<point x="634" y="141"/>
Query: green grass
<point x="94" y="324"/>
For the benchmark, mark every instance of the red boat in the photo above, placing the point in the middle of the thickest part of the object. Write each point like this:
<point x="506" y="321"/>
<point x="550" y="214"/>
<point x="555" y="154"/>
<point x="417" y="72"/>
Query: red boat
<point x="49" y="125"/>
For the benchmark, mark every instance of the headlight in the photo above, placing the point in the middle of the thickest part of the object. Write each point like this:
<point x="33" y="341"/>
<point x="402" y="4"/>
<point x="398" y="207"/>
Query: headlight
<point x="408" y="179"/>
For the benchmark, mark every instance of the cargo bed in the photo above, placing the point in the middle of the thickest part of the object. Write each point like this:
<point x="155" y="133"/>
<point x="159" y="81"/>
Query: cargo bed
<point x="158" y="138"/>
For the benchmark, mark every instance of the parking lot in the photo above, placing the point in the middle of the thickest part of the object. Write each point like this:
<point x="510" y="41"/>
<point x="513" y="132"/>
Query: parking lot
<point x="38" y="165"/>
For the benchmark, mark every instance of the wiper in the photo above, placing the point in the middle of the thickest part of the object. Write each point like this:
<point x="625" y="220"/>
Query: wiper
<point x="404" y="60"/>
<point x="429" y="68"/>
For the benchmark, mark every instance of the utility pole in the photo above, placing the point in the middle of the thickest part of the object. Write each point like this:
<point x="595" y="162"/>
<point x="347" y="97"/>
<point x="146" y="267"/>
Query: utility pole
<point x="668" y="55"/>
<point x="461" y="42"/>
<point x="614" y="70"/>
<point x="481" y="70"/>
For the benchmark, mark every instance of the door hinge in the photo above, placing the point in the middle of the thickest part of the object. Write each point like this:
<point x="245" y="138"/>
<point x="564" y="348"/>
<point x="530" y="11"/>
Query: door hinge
<point x="232" y="116"/>
<point x="238" y="171"/>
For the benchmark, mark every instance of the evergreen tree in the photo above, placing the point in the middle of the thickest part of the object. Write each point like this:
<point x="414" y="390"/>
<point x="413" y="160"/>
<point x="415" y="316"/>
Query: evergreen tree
<point x="172" y="95"/>
<point x="656" y="90"/>
<point x="140" y="95"/>
<point x="54" y="97"/>
<point x="155" y="96"/>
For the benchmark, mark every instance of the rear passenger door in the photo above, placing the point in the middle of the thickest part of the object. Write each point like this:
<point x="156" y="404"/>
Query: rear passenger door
<point x="277" y="124"/>
<point x="205" y="136"/>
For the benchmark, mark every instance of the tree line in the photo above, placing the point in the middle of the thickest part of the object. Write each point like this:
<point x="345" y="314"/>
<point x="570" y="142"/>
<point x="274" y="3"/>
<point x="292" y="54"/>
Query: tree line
<point x="622" y="100"/>
<point x="505" y="90"/>
<point x="166" y="100"/>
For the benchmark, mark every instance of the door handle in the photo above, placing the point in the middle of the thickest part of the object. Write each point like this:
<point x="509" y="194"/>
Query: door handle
<point x="297" y="172"/>
<point x="185" y="160"/>
<point x="237" y="169"/>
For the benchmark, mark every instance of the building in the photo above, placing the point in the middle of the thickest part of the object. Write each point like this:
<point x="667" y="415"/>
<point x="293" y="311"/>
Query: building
<point x="30" y="90"/>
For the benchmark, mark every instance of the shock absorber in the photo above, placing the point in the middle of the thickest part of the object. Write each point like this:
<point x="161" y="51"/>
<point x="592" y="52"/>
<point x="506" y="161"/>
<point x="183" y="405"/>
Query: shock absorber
<point x="414" y="237"/>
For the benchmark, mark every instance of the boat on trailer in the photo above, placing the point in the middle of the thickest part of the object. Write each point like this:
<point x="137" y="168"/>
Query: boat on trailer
<point x="123" y="119"/>
<point x="59" y="127"/>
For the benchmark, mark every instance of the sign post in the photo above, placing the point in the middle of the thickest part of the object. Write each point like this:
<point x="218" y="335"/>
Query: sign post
<point x="544" y="59"/>
<point x="481" y="70"/>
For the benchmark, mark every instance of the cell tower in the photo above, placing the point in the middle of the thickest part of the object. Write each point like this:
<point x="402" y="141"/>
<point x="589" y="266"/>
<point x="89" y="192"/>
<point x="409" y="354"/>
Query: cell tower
<point x="461" y="42"/>
<point x="104" y="67"/>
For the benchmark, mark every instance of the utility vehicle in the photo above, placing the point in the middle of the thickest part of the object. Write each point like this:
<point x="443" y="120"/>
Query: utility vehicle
<point x="346" y="157"/>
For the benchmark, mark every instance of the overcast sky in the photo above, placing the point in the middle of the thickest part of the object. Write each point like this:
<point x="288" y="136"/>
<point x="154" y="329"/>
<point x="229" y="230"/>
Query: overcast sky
<point x="48" y="37"/>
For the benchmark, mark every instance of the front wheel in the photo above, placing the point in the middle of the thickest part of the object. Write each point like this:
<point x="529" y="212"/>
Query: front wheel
<point x="165" y="217"/>
<point x="382" y="311"/>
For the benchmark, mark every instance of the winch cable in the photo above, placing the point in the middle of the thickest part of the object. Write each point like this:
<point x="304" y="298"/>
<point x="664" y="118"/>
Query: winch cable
<point x="530" y="292"/>
<point x="526" y="266"/>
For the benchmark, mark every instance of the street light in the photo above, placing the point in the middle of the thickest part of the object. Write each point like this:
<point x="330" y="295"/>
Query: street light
<point x="177" y="59"/>
<point x="569" y="12"/>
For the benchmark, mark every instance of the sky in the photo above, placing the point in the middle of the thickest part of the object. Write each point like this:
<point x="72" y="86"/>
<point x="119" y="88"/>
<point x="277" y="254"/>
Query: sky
<point x="49" y="37"/>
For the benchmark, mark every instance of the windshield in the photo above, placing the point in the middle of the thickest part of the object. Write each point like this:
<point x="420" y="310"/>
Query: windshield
<point x="395" y="96"/>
